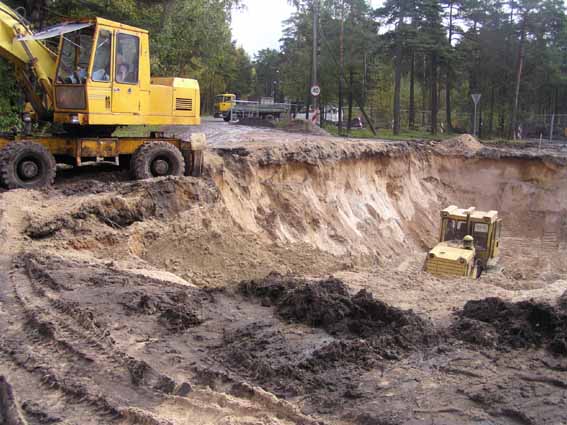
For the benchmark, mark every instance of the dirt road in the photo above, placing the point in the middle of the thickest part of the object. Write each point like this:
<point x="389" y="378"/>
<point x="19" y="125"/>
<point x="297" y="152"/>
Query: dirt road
<point x="210" y="301"/>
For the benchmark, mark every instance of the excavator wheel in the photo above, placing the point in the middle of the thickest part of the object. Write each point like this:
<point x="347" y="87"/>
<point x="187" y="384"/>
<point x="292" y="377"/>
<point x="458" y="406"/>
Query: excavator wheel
<point x="157" y="159"/>
<point x="26" y="165"/>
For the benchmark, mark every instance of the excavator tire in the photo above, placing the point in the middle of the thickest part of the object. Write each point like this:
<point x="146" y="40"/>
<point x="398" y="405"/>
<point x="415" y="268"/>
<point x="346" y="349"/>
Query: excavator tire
<point x="157" y="159"/>
<point x="26" y="165"/>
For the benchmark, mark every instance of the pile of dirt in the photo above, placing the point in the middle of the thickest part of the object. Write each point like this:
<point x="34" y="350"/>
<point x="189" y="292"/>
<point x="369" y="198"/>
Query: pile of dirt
<point x="465" y="144"/>
<point x="495" y="323"/>
<point x="302" y="126"/>
<point x="134" y="203"/>
<point x="327" y="304"/>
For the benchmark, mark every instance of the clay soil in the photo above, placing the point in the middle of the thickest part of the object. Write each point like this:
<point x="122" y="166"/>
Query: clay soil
<point x="286" y="287"/>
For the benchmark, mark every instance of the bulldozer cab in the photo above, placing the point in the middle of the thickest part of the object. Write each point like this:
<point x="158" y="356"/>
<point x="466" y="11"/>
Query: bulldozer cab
<point x="484" y="226"/>
<point x="469" y="242"/>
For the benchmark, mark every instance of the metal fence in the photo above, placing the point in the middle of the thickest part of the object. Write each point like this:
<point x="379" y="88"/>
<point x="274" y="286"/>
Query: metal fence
<point x="549" y="127"/>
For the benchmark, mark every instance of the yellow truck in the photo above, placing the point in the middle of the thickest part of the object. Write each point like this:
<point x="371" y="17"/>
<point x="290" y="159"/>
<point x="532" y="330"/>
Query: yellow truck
<point x="223" y="105"/>
<point x="230" y="109"/>
<point x="98" y="79"/>
<point x="469" y="243"/>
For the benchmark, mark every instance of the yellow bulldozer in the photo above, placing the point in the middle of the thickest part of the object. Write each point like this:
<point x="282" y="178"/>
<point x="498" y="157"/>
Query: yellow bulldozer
<point x="469" y="243"/>
<point x="98" y="79"/>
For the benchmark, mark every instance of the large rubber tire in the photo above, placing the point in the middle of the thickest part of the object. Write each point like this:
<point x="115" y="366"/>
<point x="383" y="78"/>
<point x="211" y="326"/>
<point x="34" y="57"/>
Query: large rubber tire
<point x="194" y="163"/>
<point x="26" y="165"/>
<point x="157" y="159"/>
<point x="228" y="117"/>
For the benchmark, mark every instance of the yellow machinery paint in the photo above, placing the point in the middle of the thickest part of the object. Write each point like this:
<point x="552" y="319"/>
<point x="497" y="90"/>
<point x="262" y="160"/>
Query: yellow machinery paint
<point x="141" y="101"/>
<point x="450" y="257"/>
<point x="223" y="104"/>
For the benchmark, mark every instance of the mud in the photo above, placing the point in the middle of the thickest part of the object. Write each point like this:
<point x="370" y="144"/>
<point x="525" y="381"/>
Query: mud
<point x="286" y="287"/>
<point x="493" y="322"/>
<point x="327" y="304"/>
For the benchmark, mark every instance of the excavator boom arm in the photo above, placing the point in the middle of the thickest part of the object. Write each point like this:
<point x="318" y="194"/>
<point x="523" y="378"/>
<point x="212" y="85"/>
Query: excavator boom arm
<point x="27" y="56"/>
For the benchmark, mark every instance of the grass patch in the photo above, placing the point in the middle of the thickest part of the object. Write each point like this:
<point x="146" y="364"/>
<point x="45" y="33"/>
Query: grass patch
<point x="384" y="133"/>
<point x="135" y="130"/>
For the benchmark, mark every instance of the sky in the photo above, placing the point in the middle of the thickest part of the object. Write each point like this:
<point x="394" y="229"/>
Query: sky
<point x="259" y="25"/>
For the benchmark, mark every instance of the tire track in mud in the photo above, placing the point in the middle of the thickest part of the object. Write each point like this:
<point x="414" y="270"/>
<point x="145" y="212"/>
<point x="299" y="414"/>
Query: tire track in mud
<point x="70" y="361"/>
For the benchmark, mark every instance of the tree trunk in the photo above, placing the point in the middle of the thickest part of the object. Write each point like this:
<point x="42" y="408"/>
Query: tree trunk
<point x="350" y="84"/>
<point x="341" y="66"/>
<point x="434" y="99"/>
<point x="398" y="78"/>
<point x="448" y="85"/>
<point x="424" y="92"/>
<point x="491" y="116"/>
<point x="411" y="117"/>
<point x="519" y="69"/>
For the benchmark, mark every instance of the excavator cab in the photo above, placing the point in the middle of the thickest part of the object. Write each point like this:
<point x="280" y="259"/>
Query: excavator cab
<point x="103" y="81"/>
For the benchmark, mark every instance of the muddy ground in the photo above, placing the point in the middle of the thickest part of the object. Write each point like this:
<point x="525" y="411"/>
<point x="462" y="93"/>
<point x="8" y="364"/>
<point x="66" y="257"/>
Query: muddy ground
<point x="286" y="287"/>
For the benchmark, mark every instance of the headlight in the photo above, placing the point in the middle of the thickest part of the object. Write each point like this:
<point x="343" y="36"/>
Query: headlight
<point x="462" y="260"/>
<point x="75" y="119"/>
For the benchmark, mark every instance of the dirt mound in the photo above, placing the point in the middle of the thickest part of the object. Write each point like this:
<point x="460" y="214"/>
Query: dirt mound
<point x="465" y="144"/>
<point x="301" y="126"/>
<point x="496" y="323"/>
<point x="135" y="202"/>
<point x="327" y="304"/>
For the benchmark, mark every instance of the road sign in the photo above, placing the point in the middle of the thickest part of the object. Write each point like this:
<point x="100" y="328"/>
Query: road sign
<point x="475" y="99"/>
<point x="315" y="91"/>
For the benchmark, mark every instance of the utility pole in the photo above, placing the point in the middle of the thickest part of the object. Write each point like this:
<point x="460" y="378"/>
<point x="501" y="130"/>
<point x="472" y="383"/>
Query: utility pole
<point x="315" y="81"/>
<point x="341" y="65"/>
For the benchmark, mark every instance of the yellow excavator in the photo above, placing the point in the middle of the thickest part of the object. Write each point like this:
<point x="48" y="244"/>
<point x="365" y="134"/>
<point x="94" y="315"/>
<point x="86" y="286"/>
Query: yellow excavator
<point x="98" y="79"/>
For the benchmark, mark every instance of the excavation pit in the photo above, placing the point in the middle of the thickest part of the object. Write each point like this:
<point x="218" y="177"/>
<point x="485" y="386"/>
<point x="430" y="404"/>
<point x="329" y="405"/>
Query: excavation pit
<point x="287" y="287"/>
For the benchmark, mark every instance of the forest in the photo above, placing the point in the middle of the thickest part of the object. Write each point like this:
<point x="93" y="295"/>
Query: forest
<point x="409" y="64"/>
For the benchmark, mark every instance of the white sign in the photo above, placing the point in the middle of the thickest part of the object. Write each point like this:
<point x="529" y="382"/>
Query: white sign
<point x="315" y="91"/>
<point x="476" y="98"/>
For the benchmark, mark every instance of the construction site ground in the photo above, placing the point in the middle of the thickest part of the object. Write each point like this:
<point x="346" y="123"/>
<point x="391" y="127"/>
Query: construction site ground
<point x="286" y="287"/>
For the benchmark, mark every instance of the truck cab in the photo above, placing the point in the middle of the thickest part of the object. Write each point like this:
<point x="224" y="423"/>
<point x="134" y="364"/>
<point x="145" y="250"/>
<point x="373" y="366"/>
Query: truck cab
<point x="223" y="104"/>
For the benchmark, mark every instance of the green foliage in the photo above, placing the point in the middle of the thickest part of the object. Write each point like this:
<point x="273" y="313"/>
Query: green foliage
<point x="479" y="52"/>
<point x="10" y="98"/>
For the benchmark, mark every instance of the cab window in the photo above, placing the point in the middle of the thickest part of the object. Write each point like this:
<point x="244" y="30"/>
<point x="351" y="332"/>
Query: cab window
<point x="480" y="235"/>
<point x="75" y="57"/>
<point x="101" y="65"/>
<point x="456" y="230"/>
<point x="127" y="58"/>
